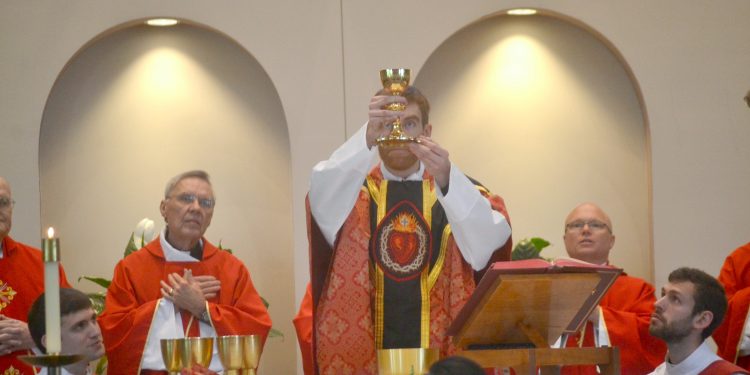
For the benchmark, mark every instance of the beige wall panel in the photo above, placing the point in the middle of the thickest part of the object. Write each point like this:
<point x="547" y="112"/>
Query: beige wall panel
<point x="543" y="114"/>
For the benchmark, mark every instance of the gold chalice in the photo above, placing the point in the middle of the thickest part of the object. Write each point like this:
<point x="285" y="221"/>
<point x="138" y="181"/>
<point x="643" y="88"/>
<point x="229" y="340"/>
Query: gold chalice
<point x="231" y="354"/>
<point x="395" y="81"/>
<point x="251" y="350"/>
<point x="171" y="353"/>
<point x="406" y="361"/>
<point x="197" y="350"/>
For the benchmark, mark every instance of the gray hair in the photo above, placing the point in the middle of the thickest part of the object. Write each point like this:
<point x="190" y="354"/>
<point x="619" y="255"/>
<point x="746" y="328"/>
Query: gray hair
<point x="189" y="174"/>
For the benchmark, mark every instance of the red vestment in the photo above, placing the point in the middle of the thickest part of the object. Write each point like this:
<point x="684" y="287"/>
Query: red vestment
<point x="722" y="367"/>
<point x="21" y="283"/>
<point x="135" y="292"/>
<point x="627" y="308"/>
<point x="344" y="300"/>
<point x="303" y="326"/>
<point x="735" y="277"/>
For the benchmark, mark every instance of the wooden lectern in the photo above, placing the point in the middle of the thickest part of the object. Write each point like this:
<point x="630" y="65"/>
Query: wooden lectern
<point x="520" y="308"/>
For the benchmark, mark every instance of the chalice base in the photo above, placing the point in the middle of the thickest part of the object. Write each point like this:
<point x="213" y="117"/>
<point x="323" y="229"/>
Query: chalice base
<point x="400" y="140"/>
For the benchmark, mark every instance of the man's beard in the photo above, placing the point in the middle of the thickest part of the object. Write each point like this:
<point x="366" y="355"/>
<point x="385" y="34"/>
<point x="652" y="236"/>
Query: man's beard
<point x="672" y="331"/>
<point x="397" y="158"/>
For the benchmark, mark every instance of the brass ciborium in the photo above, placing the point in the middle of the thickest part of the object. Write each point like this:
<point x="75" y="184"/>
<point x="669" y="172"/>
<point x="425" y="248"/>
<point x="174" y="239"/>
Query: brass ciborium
<point x="171" y="353"/>
<point x="395" y="81"/>
<point x="231" y="350"/>
<point x="408" y="361"/>
<point x="197" y="350"/>
<point x="251" y="351"/>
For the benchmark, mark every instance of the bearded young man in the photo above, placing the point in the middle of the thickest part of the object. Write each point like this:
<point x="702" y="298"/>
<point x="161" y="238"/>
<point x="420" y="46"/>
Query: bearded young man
<point x="691" y="306"/>
<point x="394" y="250"/>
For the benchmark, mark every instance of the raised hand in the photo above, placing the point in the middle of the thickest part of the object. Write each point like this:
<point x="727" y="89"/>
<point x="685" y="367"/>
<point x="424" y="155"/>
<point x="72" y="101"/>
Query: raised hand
<point x="434" y="158"/>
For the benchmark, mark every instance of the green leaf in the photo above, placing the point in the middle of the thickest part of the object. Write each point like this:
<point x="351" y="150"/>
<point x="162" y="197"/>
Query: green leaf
<point x="275" y="333"/>
<point x="225" y="249"/>
<point x="130" y="248"/>
<point x="539" y="243"/>
<point x="104" y="283"/>
<point x="264" y="302"/>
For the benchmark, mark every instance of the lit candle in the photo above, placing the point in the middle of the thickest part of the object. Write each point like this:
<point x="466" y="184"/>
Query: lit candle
<point x="51" y="254"/>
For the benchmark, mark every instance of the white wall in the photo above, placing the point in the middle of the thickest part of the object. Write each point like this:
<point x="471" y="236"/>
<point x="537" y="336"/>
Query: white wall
<point x="689" y="58"/>
<point x="543" y="114"/>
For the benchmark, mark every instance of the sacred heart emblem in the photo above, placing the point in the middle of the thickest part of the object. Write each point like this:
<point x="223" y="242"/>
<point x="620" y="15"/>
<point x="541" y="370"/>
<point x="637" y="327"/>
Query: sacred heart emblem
<point x="401" y="244"/>
<point x="403" y="247"/>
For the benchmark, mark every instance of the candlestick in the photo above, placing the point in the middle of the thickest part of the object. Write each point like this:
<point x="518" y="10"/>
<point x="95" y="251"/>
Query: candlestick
<point x="51" y="255"/>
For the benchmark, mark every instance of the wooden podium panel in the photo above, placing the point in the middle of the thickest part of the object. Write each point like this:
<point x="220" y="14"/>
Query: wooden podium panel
<point x="523" y="309"/>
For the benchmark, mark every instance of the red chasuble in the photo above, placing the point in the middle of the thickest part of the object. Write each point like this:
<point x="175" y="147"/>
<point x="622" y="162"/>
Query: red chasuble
<point x="395" y="277"/>
<point x="627" y="308"/>
<point x="135" y="291"/>
<point x="21" y="283"/>
<point x="735" y="277"/>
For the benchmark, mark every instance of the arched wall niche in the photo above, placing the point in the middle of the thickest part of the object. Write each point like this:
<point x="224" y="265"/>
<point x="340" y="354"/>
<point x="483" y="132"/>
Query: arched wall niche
<point x="137" y="105"/>
<point x="547" y="113"/>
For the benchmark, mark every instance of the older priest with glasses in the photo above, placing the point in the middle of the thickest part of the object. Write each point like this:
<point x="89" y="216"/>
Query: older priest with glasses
<point x="623" y="314"/>
<point x="21" y="282"/>
<point x="179" y="285"/>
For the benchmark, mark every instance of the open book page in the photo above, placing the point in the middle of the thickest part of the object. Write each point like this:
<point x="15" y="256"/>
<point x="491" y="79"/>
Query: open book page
<point x="542" y="266"/>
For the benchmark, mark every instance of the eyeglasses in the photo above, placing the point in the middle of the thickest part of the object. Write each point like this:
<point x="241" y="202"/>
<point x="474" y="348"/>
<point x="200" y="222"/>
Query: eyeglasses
<point x="207" y="203"/>
<point x="594" y="225"/>
<point x="6" y="202"/>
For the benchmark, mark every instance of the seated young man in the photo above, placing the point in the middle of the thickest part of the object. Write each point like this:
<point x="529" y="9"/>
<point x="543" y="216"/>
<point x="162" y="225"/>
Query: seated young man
<point x="691" y="306"/>
<point x="79" y="331"/>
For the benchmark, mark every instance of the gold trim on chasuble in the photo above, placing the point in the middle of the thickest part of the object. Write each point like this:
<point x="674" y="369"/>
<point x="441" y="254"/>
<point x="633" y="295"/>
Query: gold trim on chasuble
<point x="378" y="193"/>
<point x="6" y="294"/>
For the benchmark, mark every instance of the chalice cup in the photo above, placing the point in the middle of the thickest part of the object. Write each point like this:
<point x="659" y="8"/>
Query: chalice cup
<point x="231" y="354"/>
<point x="197" y="350"/>
<point x="395" y="81"/>
<point x="171" y="353"/>
<point x="251" y="351"/>
<point x="407" y="361"/>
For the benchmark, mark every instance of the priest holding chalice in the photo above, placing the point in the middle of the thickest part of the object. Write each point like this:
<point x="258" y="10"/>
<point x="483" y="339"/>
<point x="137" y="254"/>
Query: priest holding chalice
<point x="395" y="248"/>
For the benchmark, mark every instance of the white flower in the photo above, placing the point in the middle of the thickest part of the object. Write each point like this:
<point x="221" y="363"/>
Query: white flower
<point x="143" y="233"/>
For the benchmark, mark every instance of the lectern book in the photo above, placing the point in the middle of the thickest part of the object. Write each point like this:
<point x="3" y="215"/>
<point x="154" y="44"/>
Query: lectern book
<point x="531" y="302"/>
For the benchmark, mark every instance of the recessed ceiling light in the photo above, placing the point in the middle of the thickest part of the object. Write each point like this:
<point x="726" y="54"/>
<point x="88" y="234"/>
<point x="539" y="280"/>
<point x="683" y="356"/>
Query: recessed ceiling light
<point x="522" y="12"/>
<point x="162" y="22"/>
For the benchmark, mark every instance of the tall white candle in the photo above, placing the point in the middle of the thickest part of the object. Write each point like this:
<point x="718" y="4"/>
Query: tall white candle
<point x="51" y="252"/>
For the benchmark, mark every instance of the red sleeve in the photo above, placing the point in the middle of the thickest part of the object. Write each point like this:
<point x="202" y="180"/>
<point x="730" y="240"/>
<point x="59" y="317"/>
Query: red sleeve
<point x="501" y="254"/>
<point x="735" y="277"/>
<point x="627" y="309"/>
<point x="303" y="326"/>
<point x="125" y="323"/>
<point x="241" y="312"/>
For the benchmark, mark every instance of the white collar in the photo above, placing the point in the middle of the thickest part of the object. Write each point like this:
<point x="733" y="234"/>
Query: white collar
<point x="698" y="360"/>
<point x="416" y="176"/>
<point x="173" y="255"/>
